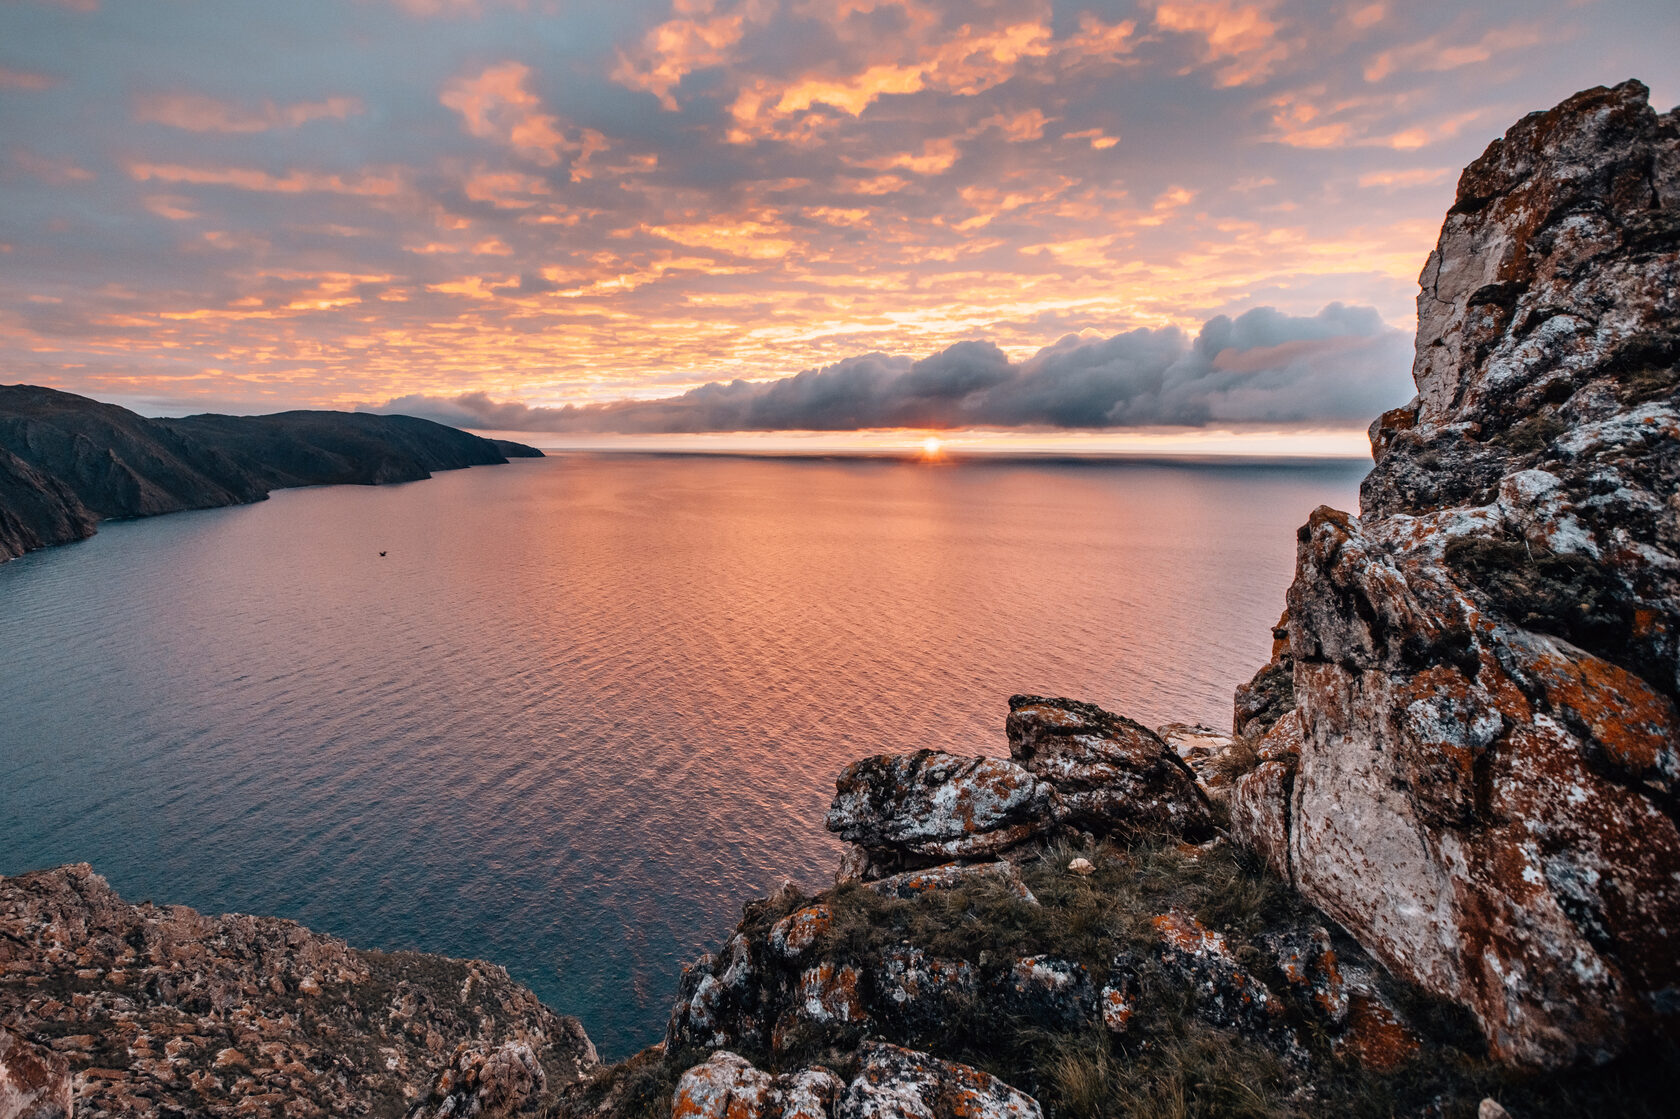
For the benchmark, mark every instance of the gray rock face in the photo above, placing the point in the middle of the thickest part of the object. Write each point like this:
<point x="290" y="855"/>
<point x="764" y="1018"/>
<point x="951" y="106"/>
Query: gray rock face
<point x="918" y="809"/>
<point x="1484" y="663"/>
<point x="162" y="1011"/>
<point x="1112" y="776"/>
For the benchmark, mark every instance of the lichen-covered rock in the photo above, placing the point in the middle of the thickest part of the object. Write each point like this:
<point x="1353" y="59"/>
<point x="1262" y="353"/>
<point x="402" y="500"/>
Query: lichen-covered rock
<point x="718" y="1002"/>
<point x="793" y="935"/>
<point x="1053" y="992"/>
<point x="1113" y="776"/>
<point x="1201" y="748"/>
<point x="1309" y="965"/>
<point x="1374" y="1035"/>
<point x="917" y="995"/>
<point x="34" y="1082"/>
<point x="727" y="1086"/>
<point x="1260" y="801"/>
<point x="1486" y="663"/>
<point x="952" y="876"/>
<point x="1227" y="994"/>
<point x="486" y="1083"/>
<point x="911" y="810"/>
<point x="897" y="1083"/>
<point x="164" y="1011"/>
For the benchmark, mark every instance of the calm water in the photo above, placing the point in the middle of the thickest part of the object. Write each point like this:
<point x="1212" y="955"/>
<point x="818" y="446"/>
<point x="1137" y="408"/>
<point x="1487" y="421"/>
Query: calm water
<point x="590" y="704"/>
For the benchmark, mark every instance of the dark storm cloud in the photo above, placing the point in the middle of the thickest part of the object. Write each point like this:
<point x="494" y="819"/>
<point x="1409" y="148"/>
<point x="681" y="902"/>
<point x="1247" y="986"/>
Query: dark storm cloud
<point x="1338" y="367"/>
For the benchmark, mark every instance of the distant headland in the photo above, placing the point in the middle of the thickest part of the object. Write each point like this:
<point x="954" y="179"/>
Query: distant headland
<point x="68" y="462"/>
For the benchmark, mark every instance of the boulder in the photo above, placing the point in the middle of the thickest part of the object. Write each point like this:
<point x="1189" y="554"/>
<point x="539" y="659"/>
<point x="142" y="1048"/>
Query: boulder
<point x="793" y="935"/>
<point x="34" y="1082"/>
<point x="1259" y="801"/>
<point x="910" y="810"/>
<point x="897" y="1083"/>
<point x="718" y="1001"/>
<point x="1112" y="775"/>
<point x="1485" y="663"/>
<point x="918" y="995"/>
<point x="1055" y="993"/>
<point x="727" y="1086"/>
<point x="1309" y="965"/>
<point x="1227" y="994"/>
<point x="1201" y="748"/>
<point x="954" y="876"/>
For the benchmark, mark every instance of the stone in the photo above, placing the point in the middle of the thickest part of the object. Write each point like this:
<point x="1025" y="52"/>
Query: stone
<point x="1375" y="1037"/>
<point x="1310" y="966"/>
<point x="162" y="1011"/>
<point x="953" y="876"/>
<point x="1112" y="776"/>
<point x="34" y="1082"/>
<point x="1485" y="663"/>
<point x="1227" y="994"/>
<point x="898" y="1083"/>
<point x="919" y="995"/>
<point x="1260" y="801"/>
<point x="718" y="1001"/>
<point x="1489" y="1108"/>
<point x="918" y="809"/>
<point x="1052" y="992"/>
<point x="793" y="935"/>
<point x="488" y="1083"/>
<point x="1081" y="867"/>
<point x="727" y="1086"/>
<point x="1117" y="1001"/>
<point x="1201" y="748"/>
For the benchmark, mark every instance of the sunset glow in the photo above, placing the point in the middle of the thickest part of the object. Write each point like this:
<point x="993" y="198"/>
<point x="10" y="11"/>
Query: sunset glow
<point x="488" y="210"/>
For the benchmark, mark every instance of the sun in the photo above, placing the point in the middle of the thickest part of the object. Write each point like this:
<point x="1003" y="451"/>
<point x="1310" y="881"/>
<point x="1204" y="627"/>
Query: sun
<point x="931" y="446"/>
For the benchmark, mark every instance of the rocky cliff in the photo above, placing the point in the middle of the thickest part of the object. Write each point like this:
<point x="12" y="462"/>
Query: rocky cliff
<point x="1468" y="744"/>
<point x="67" y="462"/>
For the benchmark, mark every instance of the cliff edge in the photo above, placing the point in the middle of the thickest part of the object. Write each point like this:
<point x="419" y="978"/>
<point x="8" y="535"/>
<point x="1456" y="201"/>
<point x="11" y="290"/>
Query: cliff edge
<point x="1472" y="764"/>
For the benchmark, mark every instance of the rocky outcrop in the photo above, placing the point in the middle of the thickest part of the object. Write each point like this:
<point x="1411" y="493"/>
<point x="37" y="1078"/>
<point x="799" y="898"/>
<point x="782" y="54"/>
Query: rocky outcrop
<point x="1112" y="776"/>
<point x="1483" y="666"/>
<point x="160" y="1011"/>
<point x="920" y="809"/>
<point x="891" y="1082"/>
<point x="67" y="461"/>
<point x="34" y="1082"/>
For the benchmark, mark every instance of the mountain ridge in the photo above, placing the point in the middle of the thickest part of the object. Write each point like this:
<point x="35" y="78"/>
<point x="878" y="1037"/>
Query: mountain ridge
<point x="67" y="461"/>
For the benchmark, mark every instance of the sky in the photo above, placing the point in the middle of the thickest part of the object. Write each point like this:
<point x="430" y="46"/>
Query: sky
<point x="1191" y="221"/>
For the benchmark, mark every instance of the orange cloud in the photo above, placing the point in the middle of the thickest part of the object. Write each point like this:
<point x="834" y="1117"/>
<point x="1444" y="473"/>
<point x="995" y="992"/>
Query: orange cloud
<point x="197" y="113"/>
<point x="695" y="38"/>
<point x="368" y="185"/>
<point x="1241" y="36"/>
<point x="1444" y="52"/>
<point x="25" y="79"/>
<point x="496" y="105"/>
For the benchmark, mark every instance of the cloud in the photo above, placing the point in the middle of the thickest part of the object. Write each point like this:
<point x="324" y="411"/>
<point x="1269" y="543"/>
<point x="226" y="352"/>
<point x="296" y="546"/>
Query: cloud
<point x="1339" y="367"/>
<point x="197" y="113"/>
<point x="25" y="79"/>
<point x="496" y="105"/>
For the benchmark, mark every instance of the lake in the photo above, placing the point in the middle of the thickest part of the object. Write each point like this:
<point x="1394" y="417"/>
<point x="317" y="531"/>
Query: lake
<point x="584" y="707"/>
